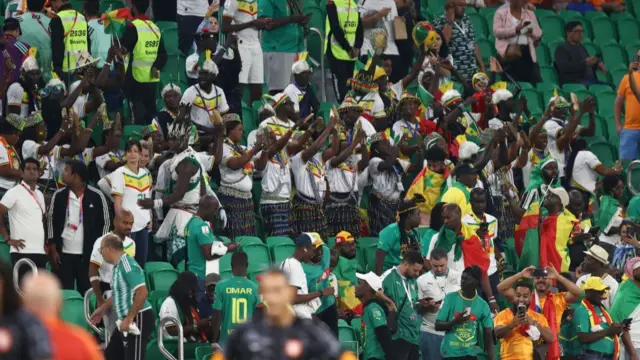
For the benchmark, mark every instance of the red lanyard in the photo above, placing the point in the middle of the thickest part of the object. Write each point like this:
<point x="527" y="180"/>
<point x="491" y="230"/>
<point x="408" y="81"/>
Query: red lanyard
<point x="33" y="195"/>
<point x="146" y="22"/>
<point x="79" y="200"/>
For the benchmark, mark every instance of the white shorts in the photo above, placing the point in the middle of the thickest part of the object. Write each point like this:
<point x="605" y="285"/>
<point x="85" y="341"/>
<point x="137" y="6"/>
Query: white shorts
<point x="278" y="69"/>
<point x="252" y="71"/>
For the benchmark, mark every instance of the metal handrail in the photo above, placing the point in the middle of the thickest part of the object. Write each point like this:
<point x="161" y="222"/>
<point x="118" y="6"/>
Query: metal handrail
<point x="16" y="272"/>
<point x="635" y="163"/>
<point x="161" y="347"/>
<point x="322" y="69"/>
<point x="87" y="313"/>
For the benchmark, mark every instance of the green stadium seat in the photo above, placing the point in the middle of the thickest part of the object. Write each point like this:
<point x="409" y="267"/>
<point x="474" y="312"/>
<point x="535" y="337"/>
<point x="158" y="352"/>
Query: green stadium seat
<point x="156" y="297"/>
<point x="604" y="77"/>
<point x="525" y="85"/>
<point x="487" y="48"/>
<point x="605" y="103"/>
<point x="282" y="252"/>
<point x="546" y="86"/>
<point x="366" y="248"/>
<point x="162" y="279"/>
<point x="616" y="16"/>
<point x="314" y="43"/>
<point x="342" y="322"/>
<point x="203" y="352"/>
<point x="632" y="50"/>
<point x="582" y="94"/>
<point x="595" y="15"/>
<point x="552" y="27"/>
<point x="166" y="25"/>
<point x="597" y="89"/>
<point x="601" y="127"/>
<point x="534" y="103"/>
<point x="435" y="7"/>
<point x="153" y="266"/>
<point x="551" y="45"/>
<point x="109" y="5"/>
<point x="614" y="56"/>
<point x="617" y="75"/>
<point x="273" y="241"/>
<point x="255" y="270"/>
<point x="605" y="151"/>
<point x="628" y="31"/>
<point x="487" y="12"/>
<point x="225" y="262"/>
<point x="470" y="10"/>
<point x="356" y="325"/>
<point x="548" y="94"/>
<point x="248" y="240"/>
<point x="543" y="56"/>
<point x="224" y="239"/>
<point x="71" y="294"/>
<point x="542" y="13"/>
<point x="604" y="32"/>
<point x="348" y="338"/>
<point x="548" y="74"/>
<point x="181" y="266"/>
<point x="592" y="49"/>
<point x="635" y="177"/>
<point x="73" y="312"/>
<point x="568" y="15"/>
<point x="153" y="352"/>
<point x="573" y="87"/>
<point x="480" y="26"/>
<point x="258" y="254"/>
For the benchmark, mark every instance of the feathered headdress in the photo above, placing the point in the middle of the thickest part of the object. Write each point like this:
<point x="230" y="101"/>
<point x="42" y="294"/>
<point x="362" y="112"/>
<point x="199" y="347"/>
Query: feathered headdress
<point x="30" y="61"/>
<point x="205" y="63"/>
<point x="301" y="65"/>
<point x="170" y="87"/>
<point x="179" y="131"/>
<point x="55" y="82"/>
<point x="560" y="102"/>
<point x="33" y="120"/>
<point x="112" y="125"/>
<point x="449" y="94"/>
<point x="500" y="93"/>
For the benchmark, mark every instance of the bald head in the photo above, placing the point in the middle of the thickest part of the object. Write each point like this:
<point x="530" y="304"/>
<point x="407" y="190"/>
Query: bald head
<point x="123" y="223"/>
<point x="208" y="207"/>
<point x="452" y="216"/>
<point x="111" y="248"/>
<point x="42" y="294"/>
<point x="576" y="202"/>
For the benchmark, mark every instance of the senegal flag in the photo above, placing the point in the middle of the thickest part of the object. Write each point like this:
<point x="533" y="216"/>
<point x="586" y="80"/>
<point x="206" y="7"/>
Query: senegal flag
<point x="465" y="245"/>
<point x="550" y="248"/>
<point x="528" y="221"/>
<point x="345" y="272"/>
<point x="431" y="186"/>
<point x="115" y="20"/>
<point x="626" y="302"/>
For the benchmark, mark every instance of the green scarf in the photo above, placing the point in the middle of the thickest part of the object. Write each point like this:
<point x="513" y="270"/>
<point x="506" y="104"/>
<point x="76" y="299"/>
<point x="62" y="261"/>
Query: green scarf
<point x="449" y="239"/>
<point x="608" y="209"/>
<point x="536" y="179"/>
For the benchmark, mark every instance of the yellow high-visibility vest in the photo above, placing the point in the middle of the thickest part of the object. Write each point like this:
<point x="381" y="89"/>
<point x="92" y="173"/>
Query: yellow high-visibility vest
<point x="348" y="19"/>
<point x="146" y="51"/>
<point x="75" y="37"/>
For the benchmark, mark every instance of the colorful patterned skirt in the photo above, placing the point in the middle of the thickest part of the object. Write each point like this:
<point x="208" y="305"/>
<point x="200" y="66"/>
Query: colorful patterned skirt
<point x="277" y="219"/>
<point x="240" y="215"/>
<point x="342" y="214"/>
<point x="308" y="216"/>
<point x="382" y="212"/>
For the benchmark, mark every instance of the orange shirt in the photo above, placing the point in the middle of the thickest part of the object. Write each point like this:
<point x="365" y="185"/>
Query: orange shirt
<point x="70" y="342"/>
<point x="632" y="106"/>
<point x="599" y="3"/>
<point x="559" y="303"/>
<point x="516" y="346"/>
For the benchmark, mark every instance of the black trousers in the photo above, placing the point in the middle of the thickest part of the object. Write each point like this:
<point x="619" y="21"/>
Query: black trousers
<point x="39" y="259"/>
<point x="142" y="98"/>
<point x="330" y="317"/>
<point x="406" y="350"/>
<point x="74" y="270"/>
<point x="131" y="347"/>
<point x="341" y="71"/>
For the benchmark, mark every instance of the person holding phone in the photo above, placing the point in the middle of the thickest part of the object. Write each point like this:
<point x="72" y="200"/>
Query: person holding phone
<point x="519" y="327"/>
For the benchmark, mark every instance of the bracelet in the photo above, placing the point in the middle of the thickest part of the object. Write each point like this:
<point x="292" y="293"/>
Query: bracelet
<point x="493" y="301"/>
<point x="157" y="204"/>
<point x="107" y="63"/>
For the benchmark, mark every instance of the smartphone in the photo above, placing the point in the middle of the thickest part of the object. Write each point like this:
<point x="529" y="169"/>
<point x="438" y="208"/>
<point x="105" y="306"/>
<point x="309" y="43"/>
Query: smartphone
<point x="594" y="230"/>
<point x="626" y="322"/>
<point x="467" y="311"/>
<point x="539" y="272"/>
<point x="521" y="309"/>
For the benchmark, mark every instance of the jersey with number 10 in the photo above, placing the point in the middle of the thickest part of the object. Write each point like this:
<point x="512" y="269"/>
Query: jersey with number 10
<point x="236" y="299"/>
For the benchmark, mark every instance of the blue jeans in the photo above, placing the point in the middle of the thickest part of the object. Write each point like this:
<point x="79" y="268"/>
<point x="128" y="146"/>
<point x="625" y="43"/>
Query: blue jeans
<point x="592" y="356"/>
<point x="430" y="345"/>
<point x="141" y="238"/>
<point x="629" y="144"/>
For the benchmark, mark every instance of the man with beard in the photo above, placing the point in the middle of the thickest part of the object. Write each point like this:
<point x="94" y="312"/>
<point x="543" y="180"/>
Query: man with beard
<point x="543" y="302"/>
<point x="345" y="272"/>
<point x="595" y="264"/>
<point x="400" y="285"/>
<point x="519" y="327"/>
<point x="595" y="329"/>
<point x="432" y="288"/>
<point x="377" y="344"/>
<point x="461" y="314"/>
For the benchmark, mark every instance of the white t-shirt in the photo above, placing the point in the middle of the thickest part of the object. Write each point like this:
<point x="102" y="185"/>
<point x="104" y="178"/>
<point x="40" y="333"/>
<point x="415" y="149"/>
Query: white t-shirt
<point x="133" y="187"/>
<point x="584" y="173"/>
<point x="297" y="278"/>
<point x="553" y="127"/>
<point x="72" y="241"/>
<point x="26" y="209"/>
<point x="243" y="11"/>
<point x="387" y="183"/>
<point x="278" y="126"/>
<point x="236" y="179"/>
<point x="191" y="65"/>
<point x="372" y="104"/>
<point x="47" y="162"/>
<point x="16" y="97"/>
<point x="295" y="94"/>
<point x="343" y="178"/>
<point x="276" y="180"/>
<point x="301" y="171"/>
<point x="367" y="8"/>
<point x="608" y="280"/>
<point x="102" y="160"/>
<point x="452" y="264"/>
<point x="192" y="7"/>
<point x="169" y="308"/>
<point x="105" y="270"/>
<point x="436" y="287"/>
<point x="215" y="100"/>
<point x="81" y="101"/>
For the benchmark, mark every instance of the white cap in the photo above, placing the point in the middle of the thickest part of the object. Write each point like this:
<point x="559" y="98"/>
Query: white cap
<point x="372" y="279"/>
<point x="467" y="150"/>
<point x="30" y="63"/>
<point x="299" y="67"/>
<point x="598" y="253"/>
<point x="562" y="194"/>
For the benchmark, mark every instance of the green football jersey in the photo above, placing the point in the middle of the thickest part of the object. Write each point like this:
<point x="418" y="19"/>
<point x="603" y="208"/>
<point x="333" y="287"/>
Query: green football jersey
<point x="236" y="299"/>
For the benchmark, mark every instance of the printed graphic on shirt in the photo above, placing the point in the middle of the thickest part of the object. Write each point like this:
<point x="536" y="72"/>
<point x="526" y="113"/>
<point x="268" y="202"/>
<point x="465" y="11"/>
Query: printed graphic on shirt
<point x="248" y="7"/>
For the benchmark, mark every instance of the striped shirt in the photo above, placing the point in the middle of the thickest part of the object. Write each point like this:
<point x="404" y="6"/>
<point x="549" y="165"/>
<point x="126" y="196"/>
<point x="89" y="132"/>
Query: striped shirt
<point x="127" y="277"/>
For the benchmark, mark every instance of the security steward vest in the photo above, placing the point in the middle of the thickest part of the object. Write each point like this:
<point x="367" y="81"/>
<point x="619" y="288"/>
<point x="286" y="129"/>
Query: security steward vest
<point x="75" y="37"/>
<point x="145" y="51"/>
<point x="348" y="19"/>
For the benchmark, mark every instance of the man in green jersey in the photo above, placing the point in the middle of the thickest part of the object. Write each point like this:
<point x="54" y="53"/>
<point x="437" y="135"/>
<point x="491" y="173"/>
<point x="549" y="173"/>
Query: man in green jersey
<point x="129" y="299"/>
<point x="376" y="337"/>
<point x="461" y="314"/>
<point x="317" y="272"/>
<point x="400" y="285"/>
<point x="236" y="298"/>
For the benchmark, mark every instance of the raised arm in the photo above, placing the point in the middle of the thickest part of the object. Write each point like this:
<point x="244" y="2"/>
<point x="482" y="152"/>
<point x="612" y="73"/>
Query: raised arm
<point x="309" y="152"/>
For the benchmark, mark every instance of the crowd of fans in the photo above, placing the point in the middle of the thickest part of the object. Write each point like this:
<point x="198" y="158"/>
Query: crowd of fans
<point x="426" y="213"/>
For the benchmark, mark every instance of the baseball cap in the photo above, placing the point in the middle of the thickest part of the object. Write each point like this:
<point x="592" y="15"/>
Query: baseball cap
<point x="307" y="238"/>
<point x="562" y="194"/>
<point x="372" y="279"/>
<point x="344" y="237"/>
<point x="598" y="253"/>
<point x="211" y="279"/>
<point x="594" y="283"/>
<point x="466" y="169"/>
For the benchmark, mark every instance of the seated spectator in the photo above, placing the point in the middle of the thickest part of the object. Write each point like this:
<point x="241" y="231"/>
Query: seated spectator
<point x="517" y="33"/>
<point x="520" y="327"/>
<point x="572" y="61"/>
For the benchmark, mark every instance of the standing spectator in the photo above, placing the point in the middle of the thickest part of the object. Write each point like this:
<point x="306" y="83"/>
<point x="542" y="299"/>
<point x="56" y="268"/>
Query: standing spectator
<point x="147" y="56"/>
<point x="69" y="38"/>
<point x="236" y="299"/>
<point x="101" y="272"/>
<point x="129" y="183"/>
<point x="344" y="35"/>
<point x="519" y="327"/>
<point x="17" y="49"/>
<point x="400" y="285"/>
<point x="26" y="208"/>
<point x="282" y="39"/>
<point x="345" y="272"/>
<point x="377" y="344"/>
<point x="610" y="213"/>
<point x="205" y="96"/>
<point x="380" y="14"/>
<point x="572" y="60"/>
<point x="241" y="17"/>
<point x="517" y="33"/>
<point x="466" y="180"/>
<point x="432" y="288"/>
<point x="461" y="315"/>
<point x="190" y="14"/>
<point x="584" y="167"/>
<point x="35" y="30"/>
<point x="23" y="99"/>
<point x="625" y="306"/>
<point x="305" y="100"/>
<point x="460" y="38"/>
<point x="595" y="265"/>
<point x="43" y="298"/>
<point x="10" y="172"/>
<point x="629" y="96"/>
<point x="100" y="41"/>
<point x="319" y="277"/>
<point x="129" y="299"/>
<point x="78" y="213"/>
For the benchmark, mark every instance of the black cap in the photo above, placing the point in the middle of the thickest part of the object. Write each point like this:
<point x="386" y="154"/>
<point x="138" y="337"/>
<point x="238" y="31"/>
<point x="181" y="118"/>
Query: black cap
<point x="466" y="169"/>
<point x="204" y="34"/>
<point x="11" y="24"/>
